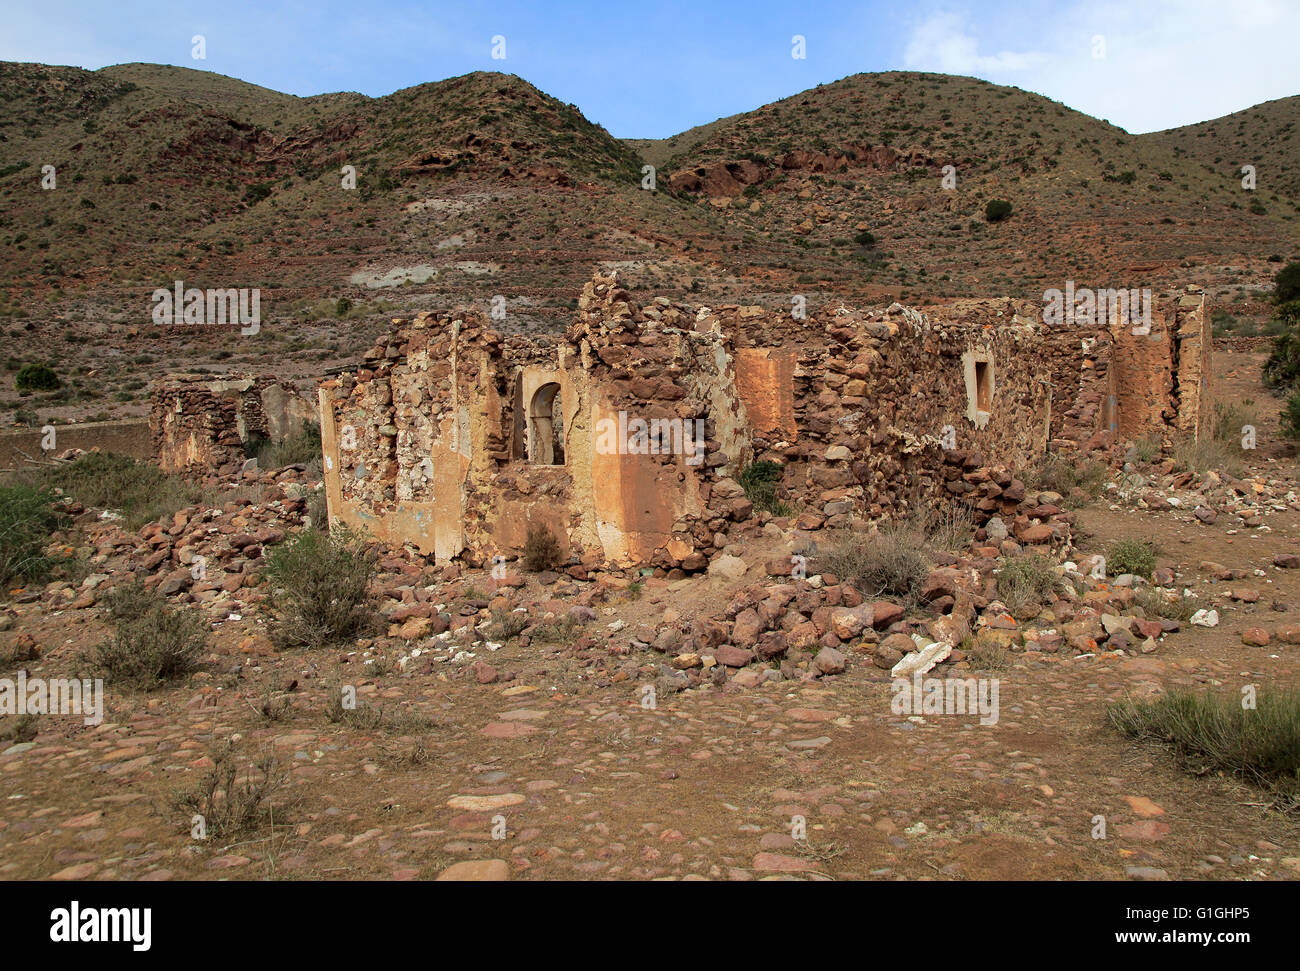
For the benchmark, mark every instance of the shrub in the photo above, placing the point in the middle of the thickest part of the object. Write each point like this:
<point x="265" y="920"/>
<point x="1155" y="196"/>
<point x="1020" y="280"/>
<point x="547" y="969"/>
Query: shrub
<point x="759" y="480"/>
<point x="1290" y="417"/>
<point x="300" y="449"/>
<point x="320" y="587"/>
<point x="1215" y="734"/>
<point x="1286" y="284"/>
<point x="1206" y="455"/>
<point x="950" y="528"/>
<point x="1025" y="581"/>
<point x="231" y="805"/>
<point x="997" y="210"/>
<point x="152" y="642"/>
<point x="865" y="239"/>
<point x="1228" y="421"/>
<point x="318" y="511"/>
<point x="1129" y="555"/>
<point x="142" y="492"/>
<point x="1147" y="449"/>
<point x="1156" y="602"/>
<point x="1079" y="483"/>
<point x="1282" y="368"/>
<point x="342" y="306"/>
<point x="27" y="521"/>
<point x="890" y="561"/>
<point x="36" y="377"/>
<point x="541" y="550"/>
<point x="506" y="624"/>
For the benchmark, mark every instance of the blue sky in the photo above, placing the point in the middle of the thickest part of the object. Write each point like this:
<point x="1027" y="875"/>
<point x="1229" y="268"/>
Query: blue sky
<point x="655" y="68"/>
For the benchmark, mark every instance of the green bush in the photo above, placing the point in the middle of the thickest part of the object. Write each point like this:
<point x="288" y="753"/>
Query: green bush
<point x="1025" y="581"/>
<point x="36" y="377"/>
<point x="1077" y="482"/>
<point x="759" y="480"/>
<point x="1129" y="555"/>
<point x="300" y="449"/>
<point x="140" y="491"/>
<point x="1216" y="734"/>
<point x="320" y="589"/>
<point x="997" y="210"/>
<point x="1286" y="284"/>
<point x="1290" y="417"/>
<point x="541" y="550"/>
<point x="152" y="642"/>
<point x="27" y="521"/>
<point x="1282" y="369"/>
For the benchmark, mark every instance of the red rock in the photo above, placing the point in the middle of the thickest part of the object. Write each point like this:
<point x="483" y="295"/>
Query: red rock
<point x="884" y="613"/>
<point x="732" y="657"/>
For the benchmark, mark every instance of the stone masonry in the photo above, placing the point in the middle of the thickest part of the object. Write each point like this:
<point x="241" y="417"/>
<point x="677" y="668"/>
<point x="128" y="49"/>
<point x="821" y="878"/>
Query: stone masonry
<point x="455" y="439"/>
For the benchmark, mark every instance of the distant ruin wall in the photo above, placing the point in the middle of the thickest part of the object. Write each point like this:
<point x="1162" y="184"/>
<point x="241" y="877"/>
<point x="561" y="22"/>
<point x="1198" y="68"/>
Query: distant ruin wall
<point x="125" y="437"/>
<point x="209" y="423"/>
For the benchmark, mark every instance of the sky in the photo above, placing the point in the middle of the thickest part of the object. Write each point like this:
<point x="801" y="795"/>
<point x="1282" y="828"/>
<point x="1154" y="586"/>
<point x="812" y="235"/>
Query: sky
<point x="652" y="69"/>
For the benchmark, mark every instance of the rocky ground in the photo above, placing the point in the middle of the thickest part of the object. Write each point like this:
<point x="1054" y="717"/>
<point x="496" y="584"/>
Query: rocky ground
<point x="732" y="725"/>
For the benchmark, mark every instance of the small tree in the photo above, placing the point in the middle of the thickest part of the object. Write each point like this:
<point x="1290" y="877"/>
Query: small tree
<point x="997" y="210"/>
<point x="36" y="377"/>
<point x="1286" y="285"/>
<point x="1290" y="417"/>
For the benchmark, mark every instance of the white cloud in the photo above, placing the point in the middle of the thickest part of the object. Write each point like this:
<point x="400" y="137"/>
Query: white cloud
<point x="943" y="43"/>
<point x="1167" y="63"/>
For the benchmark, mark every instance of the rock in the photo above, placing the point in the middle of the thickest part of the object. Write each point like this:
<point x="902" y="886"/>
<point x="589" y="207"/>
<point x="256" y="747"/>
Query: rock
<point x="727" y="567"/>
<point x="1255" y="637"/>
<point x="1145" y="873"/>
<point x="996" y="530"/>
<point x="1287" y="561"/>
<point x="940" y="583"/>
<point x="1205" y="514"/>
<point x="484" y="673"/>
<point x="485" y="804"/>
<point x="476" y="870"/>
<point x="838" y="453"/>
<point x="1037" y="534"/>
<point x="747" y="627"/>
<point x="415" y="628"/>
<point x="732" y="657"/>
<point x="884" y="613"/>
<point x="849" y="622"/>
<point x="829" y="661"/>
<point x="922" y="661"/>
<point x="1205" y="618"/>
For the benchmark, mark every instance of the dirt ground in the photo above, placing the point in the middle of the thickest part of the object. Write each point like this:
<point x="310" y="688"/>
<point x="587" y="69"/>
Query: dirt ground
<point x="563" y="773"/>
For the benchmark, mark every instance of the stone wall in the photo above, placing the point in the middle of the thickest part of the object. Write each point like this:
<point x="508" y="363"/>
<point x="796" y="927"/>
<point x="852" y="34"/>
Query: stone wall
<point x="201" y="422"/>
<point x="457" y="440"/>
<point x="21" y="447"/>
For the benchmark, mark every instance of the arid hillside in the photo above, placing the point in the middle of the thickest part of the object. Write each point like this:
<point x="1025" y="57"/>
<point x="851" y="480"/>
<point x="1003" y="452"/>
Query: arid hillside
<point x="345" y="211"/>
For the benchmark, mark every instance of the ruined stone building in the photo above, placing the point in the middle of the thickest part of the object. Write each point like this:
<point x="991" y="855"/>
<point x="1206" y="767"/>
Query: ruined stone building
<point x="212" y="423"/>
<point x="627" y="435"/>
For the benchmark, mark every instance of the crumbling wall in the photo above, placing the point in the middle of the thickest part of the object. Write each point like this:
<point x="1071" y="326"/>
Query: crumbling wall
<point x="1194" y="365"/>
<point x="457" y="440"/>
<point x="199" y="422"/>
